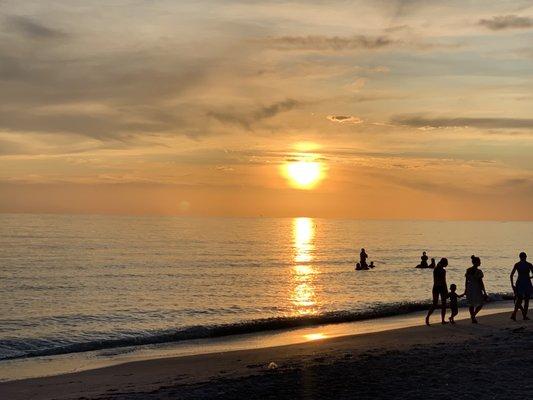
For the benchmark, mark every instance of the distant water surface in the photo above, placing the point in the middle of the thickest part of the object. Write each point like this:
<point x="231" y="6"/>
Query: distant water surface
<point x="71" y="283"/>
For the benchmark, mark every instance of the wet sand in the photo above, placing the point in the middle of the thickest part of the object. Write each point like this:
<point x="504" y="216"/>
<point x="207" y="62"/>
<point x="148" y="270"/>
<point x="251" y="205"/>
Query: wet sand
<point x="493" y="359"/>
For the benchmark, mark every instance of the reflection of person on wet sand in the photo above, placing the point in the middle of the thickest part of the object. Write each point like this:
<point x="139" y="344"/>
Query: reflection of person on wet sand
<point x="475" y="288"/>
<point x="440" y="289"/>
<point x="523" y="288"/>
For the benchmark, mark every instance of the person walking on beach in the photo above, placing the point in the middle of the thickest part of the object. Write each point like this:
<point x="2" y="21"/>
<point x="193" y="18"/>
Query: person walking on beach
<point x="454" y="304"/>
<point x="440" y="289"/>
<point x="523" y="288"/>
<point x="363" y="257"/>
<point x="475" y="288"/>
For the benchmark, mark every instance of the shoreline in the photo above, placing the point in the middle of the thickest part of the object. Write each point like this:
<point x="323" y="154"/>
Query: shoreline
<point x="195" y="376"/>
<point x="34" y="367"/>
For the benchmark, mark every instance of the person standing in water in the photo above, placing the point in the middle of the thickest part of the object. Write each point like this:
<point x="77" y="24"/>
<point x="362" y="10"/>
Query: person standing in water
<point x="440" y="289"/>
<point x="475" y="288"/>
<point x="363" y="257"/>
<point x="424" y="260"/>
<point x="523" y="288"/>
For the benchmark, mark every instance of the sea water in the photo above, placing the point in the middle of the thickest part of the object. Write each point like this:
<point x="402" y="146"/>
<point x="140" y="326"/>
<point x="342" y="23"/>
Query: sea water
<point x="73" y="283"/>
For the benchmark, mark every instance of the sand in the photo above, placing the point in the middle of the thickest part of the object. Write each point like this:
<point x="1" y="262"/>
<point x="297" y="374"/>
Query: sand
<point x="491" y="360"/>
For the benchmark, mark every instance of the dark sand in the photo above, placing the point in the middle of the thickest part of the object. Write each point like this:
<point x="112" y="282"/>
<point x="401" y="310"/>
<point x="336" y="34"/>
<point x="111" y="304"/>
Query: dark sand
<point x="492" y="360"/>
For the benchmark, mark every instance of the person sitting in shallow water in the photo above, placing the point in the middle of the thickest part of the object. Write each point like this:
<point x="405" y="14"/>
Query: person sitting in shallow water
<point x="432" y="264"/>
<point x="424" y="260"/>
<point x="363" y="256"/>
<point x="371" y="265"/>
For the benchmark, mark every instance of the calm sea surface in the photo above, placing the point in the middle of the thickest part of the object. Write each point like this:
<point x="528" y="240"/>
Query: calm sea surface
<point x="71" y="283"/>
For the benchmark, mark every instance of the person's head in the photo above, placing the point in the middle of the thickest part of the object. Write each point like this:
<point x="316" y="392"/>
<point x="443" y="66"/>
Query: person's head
<point x="443" y="263"/>
<point x="523" y="256"/>
<point x="423" y="253"/>
<point x="362" y="250"/>
<point x="433" y="261"/>
<point x="371" y="262"/>
<point x="453" y="287"/>
<point x="476" y="261"/>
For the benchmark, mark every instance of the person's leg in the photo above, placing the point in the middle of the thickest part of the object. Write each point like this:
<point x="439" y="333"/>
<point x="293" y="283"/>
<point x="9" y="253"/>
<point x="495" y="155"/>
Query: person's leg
<point x="517" y="306"/>
<point x="472" y="314"/>
<point x="478" y="309"/>
<point x="443" y="310"/>
<point x="526" y="306"/>
<point x="433" y="306"/>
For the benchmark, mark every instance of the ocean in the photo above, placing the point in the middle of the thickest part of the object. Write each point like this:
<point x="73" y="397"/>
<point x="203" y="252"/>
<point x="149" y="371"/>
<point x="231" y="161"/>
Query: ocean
<point x="71" y="283"/>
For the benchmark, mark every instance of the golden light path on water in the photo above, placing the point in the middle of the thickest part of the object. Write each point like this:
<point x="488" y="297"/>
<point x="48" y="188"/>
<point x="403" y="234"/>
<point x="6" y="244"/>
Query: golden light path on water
<point x="303" y="275"/>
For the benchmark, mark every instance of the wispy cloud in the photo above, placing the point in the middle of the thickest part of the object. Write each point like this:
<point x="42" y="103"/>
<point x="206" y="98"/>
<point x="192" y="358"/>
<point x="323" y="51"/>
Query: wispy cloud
<point x="332" y="43"/>
<point x="31" y="28"/>
<point x="446" y="122"/>
<point x="502" y="22"/>
<point x="246" y="118"/>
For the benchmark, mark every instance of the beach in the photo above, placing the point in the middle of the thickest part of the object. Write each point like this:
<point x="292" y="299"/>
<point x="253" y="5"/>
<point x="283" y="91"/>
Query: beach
<point x="490" y="360"/>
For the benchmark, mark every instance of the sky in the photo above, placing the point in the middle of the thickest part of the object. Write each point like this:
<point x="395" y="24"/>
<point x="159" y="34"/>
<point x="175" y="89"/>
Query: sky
<point x="409" y="109"/>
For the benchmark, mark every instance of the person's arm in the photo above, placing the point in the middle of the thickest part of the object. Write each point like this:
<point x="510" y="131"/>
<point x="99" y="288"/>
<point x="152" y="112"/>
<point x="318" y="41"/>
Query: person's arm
<point x="483" y="286"/>
<point x="512" y="280"/>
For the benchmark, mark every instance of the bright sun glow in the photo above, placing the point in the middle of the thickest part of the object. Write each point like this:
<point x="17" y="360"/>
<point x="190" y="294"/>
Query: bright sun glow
<point x="304" y="174"/>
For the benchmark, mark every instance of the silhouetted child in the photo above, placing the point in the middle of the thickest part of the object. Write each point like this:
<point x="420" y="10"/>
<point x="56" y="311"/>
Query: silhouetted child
<point x="453" y="296"/>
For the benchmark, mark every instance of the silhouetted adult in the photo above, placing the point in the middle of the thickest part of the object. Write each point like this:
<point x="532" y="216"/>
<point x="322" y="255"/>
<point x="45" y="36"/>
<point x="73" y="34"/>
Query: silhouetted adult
<point x="475" y="288"/>
<point x="424" y="260"/>
<point x="432" y="264"/>
<point x="440" y="289"/>
<point x="523" y="288"/>
<point x="363" y="257"/>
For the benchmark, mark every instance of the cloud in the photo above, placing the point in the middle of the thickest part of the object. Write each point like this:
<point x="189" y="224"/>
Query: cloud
<point x="247" y="118"/>
<point x="483" y="123"/>
<point x="333" y="43"/>
<point x="345" y="119"/>
<point x="32" y="29"/>
<point x="502" y="22"/>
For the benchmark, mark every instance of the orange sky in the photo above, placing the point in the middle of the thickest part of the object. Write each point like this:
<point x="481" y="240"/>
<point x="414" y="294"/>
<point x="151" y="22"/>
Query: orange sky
<point x="197" y="108"/>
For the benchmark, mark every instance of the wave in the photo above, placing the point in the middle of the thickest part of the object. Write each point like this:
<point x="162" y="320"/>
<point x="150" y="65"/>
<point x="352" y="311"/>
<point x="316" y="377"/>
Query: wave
<point x="16" y="349"/>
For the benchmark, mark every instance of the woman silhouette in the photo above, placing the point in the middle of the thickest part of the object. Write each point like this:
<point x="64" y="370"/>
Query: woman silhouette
<point x="523" y="288"/>
<point x="440" y="288"/>
<point x="475" y="288"/>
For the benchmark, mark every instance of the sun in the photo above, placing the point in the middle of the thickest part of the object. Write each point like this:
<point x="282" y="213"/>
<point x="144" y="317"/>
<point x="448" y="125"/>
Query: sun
<point x="304" y="174"/>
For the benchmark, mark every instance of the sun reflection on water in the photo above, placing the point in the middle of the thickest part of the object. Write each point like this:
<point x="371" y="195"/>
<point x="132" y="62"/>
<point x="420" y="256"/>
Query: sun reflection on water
<point x="303" y="295"/>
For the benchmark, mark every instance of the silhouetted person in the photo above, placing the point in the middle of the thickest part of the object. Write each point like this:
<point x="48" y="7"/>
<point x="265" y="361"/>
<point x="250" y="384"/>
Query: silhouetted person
<point x="523" y="288"/>
<point x="454" y="306"/>
<point x="371" y="264"/>
<point x="424" y="260"/>
<point x="432" y="264"/>
<point x="363" y="257"/>
<point x="440" y="289"/>
<point x="475" y="288"/>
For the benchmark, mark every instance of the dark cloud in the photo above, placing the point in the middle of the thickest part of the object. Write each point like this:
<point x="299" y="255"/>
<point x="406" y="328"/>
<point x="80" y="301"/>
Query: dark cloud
<point x="334" y="43"/>
<point x="32" y="29"/>
<point x="247" y="118"/>
<point x="502" y="22"/>
<point x="345" y="119"/>
<point x="484" y="123"/>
